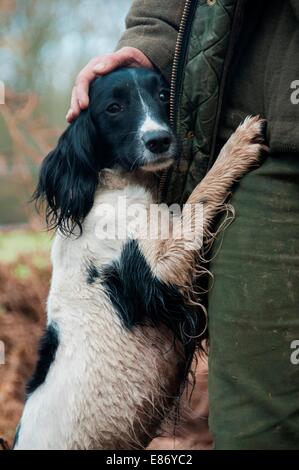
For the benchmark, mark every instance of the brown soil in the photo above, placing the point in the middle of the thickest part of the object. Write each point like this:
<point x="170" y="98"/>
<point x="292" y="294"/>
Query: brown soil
<point x="22" y="318"/>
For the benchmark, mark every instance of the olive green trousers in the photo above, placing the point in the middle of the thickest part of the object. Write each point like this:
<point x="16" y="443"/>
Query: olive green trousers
<point x="254" y="314"/>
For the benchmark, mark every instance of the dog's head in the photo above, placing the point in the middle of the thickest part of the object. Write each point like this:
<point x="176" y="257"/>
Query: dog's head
<point x="126" y="126"/>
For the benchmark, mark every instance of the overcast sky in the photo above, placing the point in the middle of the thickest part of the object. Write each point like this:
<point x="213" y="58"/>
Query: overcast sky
<point x="78" y="30"/>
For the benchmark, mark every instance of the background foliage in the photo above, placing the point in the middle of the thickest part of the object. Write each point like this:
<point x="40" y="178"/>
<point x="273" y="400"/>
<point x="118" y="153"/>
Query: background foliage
<point x="43" y="45"/>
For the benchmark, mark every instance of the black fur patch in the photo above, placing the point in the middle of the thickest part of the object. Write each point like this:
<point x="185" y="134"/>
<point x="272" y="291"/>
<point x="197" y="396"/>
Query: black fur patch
<point x="47" y="352"/>
<point x="141" y="298"/>
<point x="92" y="274"/>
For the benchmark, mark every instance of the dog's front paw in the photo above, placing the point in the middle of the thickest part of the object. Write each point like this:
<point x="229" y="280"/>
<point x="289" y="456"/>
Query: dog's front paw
<point x="253" y="131"/>
<point x="247" y="143"/>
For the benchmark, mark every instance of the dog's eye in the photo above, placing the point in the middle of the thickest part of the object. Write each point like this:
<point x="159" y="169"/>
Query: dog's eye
<point x="114" y="108"/>
<point x="164" y="96"/>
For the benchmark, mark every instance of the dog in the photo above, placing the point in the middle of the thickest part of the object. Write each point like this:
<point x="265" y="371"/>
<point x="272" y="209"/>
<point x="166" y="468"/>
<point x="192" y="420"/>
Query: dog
<point x="123" y="319"/>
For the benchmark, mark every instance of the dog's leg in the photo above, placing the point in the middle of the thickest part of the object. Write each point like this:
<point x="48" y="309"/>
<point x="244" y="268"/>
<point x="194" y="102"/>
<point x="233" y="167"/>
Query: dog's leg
<point x="241" y="152"/>
<point x="175" y="257"/>
<point x="175" y="261"/>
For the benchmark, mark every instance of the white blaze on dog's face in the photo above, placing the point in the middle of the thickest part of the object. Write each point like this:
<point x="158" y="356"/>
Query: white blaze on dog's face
<point x="130" y="109"/>
<point x="156" y="135"/>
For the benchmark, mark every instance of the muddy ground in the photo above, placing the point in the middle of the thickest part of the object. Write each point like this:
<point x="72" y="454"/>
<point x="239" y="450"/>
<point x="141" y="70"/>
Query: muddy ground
<point x="23" y="292"/>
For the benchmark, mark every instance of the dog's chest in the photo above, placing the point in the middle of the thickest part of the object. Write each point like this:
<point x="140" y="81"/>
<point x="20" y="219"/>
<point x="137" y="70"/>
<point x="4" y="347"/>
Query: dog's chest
<point x="116" y="216"/>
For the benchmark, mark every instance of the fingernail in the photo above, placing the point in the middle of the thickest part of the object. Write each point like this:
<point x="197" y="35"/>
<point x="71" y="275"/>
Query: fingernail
<point x="100" y="67"/>
<point x="69" y="114"/>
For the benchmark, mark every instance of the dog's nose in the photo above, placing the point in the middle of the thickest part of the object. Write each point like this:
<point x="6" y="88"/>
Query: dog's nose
<point x="157" y="141"/>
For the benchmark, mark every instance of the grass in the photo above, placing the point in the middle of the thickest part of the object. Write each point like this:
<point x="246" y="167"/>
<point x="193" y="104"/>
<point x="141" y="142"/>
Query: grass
<point x="22" y="242"/>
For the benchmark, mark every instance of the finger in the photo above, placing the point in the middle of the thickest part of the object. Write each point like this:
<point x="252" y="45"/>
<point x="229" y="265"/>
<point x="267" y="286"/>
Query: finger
<point x="111" y="62"/>
<point x="73" y="113"/>
<point x="82" y="85"/>
<point x="74" y="103"/>
<point x="80" y="98"/>
<point x="125" y="57"/>
<point x="82" y="90"/>
<point x="69" y="115"/>
<point x="74" y="109"/>
<point x="133" y="57"/>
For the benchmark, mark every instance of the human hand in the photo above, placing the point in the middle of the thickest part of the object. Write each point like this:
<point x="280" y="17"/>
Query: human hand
<point x="101" y="65"/>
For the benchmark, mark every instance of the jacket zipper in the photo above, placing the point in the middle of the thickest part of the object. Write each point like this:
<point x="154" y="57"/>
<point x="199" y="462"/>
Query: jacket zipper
<point x="237" y="23"/>
<point x="174" y="82"/>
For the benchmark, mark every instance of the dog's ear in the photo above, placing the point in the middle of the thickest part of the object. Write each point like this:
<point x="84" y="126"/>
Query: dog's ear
<point x="69" y="176"/>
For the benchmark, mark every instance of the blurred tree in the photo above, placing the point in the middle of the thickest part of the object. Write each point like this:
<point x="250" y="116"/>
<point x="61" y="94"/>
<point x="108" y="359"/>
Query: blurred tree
<point x="43" y="44"/>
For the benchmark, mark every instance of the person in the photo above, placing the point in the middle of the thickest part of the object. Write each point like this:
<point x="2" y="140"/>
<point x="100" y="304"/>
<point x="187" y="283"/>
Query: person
<point x="227" y="59"/>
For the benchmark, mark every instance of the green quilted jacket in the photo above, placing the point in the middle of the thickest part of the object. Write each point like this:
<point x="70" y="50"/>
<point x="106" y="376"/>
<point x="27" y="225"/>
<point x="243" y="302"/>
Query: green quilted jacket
<point x="202" y="44"/>
<point x="194" y="43"/>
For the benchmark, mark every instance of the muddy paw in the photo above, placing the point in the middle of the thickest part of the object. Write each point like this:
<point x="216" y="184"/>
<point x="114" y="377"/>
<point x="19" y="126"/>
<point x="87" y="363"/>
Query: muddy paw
<point x="253" y="130"/>
<point x="247" y="143"/>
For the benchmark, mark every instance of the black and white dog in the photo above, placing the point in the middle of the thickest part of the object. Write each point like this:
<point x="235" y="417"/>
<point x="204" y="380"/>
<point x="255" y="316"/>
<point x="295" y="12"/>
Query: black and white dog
<point x="122" y="318"/>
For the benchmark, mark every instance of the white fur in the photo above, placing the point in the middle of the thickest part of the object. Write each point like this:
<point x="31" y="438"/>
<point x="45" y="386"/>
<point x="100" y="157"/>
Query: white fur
<point x="102" y="373"/>
<point x="150" y="124"/>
